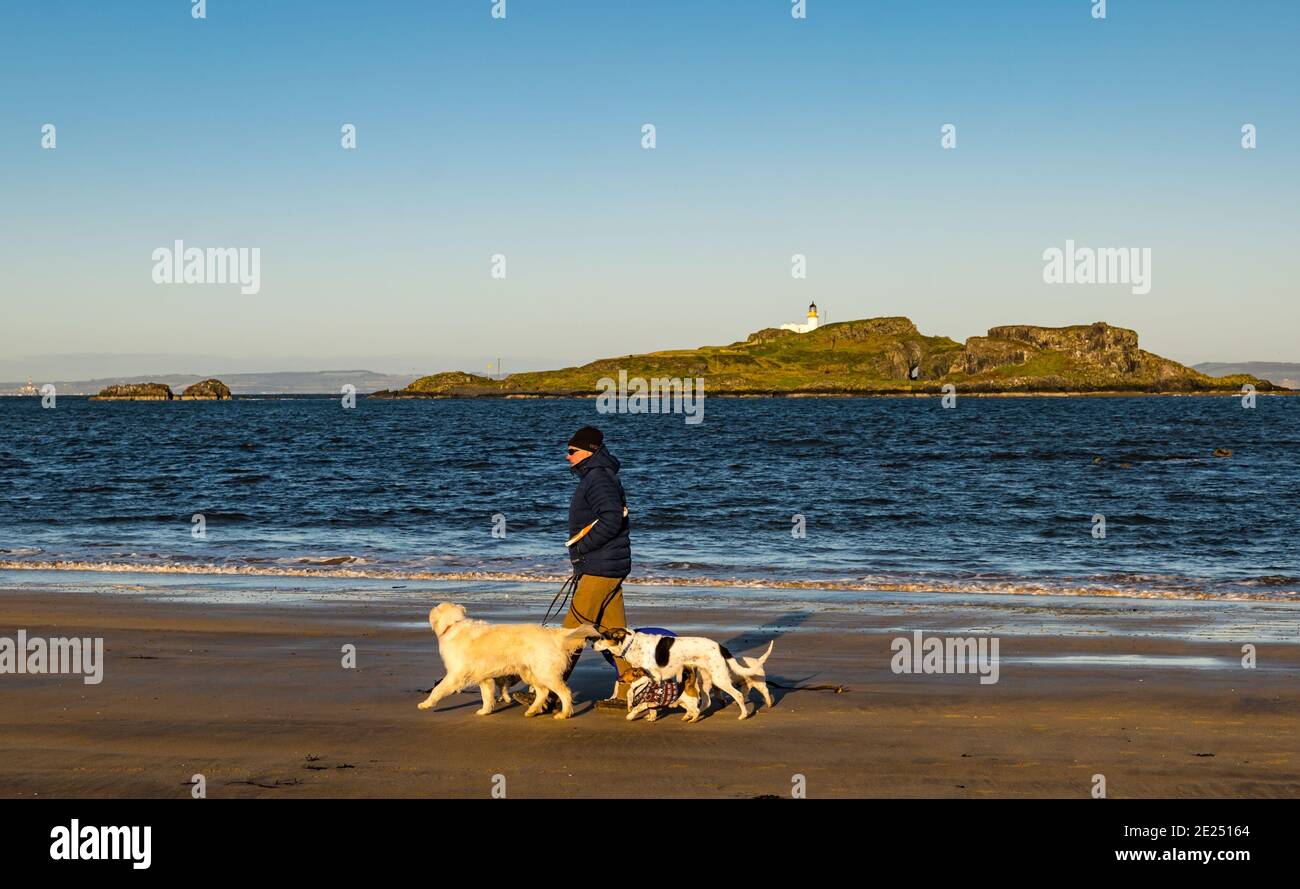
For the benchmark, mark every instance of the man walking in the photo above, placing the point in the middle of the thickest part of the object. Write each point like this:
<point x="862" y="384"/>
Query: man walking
<point x="600" y="548"/>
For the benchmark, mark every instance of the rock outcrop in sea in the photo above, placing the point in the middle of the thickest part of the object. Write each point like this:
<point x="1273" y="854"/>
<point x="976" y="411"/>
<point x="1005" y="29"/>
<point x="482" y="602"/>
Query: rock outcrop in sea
<point x="135" y="392"/>
<point x="207" y="390"/>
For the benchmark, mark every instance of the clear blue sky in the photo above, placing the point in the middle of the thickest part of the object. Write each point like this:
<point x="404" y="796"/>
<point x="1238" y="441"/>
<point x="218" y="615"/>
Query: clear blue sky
<point x="522" y="137"/>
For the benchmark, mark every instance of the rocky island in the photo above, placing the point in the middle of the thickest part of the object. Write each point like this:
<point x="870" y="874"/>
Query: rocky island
<point x="877" y="356"/>
<point x="207" y="390"/>
<point x="135" y="392"/>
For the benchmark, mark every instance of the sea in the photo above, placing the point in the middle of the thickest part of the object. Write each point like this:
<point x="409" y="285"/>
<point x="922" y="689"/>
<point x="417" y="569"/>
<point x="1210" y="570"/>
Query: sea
<point x="1066" y="496"/>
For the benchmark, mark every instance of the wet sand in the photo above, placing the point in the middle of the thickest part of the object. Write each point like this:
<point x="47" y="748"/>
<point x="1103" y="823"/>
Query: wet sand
<point x="253" y="696"/>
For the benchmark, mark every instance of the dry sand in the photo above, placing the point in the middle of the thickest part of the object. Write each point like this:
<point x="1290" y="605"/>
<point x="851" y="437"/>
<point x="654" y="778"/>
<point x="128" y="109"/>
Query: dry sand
<point x="254" y="698"/>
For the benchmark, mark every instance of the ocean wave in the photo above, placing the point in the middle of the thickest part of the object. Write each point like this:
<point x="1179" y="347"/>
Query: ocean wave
<point x="347" y="567"/>
<point x="1271" y="580"/>
<point x="156" y="518"/>
<point x="253" y="479"/>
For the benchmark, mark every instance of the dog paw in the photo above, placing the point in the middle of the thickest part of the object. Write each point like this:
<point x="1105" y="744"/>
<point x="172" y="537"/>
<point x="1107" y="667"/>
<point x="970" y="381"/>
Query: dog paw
<point x="482" y="711"/>
<point x="424" y="705"/>
<point x="561" y="715"/>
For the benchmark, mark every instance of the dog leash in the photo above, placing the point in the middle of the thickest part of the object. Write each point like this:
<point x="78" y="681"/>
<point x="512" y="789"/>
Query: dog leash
<point x="566" y="590"/>
<point x="838" y="689"/>
<point x="600" y="612"/>
<point x="566" y="593"/>
<point x="571" y="585"/>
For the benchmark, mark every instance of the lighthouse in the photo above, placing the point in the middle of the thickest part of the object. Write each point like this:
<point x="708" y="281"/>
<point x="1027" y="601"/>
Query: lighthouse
<point x="810" y="325"/>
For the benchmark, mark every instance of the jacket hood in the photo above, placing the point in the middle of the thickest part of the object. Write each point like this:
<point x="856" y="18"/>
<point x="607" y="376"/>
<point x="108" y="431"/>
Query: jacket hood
<point x="602" y="458"/>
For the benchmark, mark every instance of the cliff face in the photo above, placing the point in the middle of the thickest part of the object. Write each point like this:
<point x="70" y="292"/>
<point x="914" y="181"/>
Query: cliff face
<point x="1083" y="358"/>
<point x="877" y="356"/>
<point x="1098" y="345"/>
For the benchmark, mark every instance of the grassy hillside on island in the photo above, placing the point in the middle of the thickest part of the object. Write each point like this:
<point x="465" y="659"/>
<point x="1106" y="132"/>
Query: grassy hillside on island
<point x="876" y="356"/>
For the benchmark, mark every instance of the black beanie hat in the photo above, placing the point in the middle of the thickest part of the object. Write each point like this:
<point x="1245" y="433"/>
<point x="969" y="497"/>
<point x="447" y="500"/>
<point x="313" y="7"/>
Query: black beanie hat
<point x="589" y="438"/>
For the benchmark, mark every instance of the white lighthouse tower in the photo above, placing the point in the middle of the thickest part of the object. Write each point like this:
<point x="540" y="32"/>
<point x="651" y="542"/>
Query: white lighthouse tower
<point x="811" y="324"/>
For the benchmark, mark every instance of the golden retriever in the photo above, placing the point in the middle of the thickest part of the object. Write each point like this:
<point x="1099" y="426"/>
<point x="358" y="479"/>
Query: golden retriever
<point x="476" y="652"/>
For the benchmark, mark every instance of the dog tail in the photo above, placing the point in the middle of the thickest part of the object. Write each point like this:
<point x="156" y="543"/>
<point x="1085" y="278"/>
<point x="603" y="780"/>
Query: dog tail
<point x="751" y="666"/>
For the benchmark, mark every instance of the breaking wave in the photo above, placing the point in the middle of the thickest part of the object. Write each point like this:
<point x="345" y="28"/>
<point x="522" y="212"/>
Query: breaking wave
<point x="1140" y="587"/>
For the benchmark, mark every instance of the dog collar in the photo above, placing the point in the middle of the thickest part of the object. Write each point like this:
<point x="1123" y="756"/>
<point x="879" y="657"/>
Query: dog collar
<point x="627" y="645"/>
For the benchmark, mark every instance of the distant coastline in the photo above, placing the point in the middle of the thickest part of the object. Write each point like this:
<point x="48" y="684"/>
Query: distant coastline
<point x="326" y="382"/>
<point x="892" y="355"/>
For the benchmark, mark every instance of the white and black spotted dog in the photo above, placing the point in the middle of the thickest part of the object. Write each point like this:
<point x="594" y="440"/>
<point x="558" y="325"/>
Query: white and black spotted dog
<point x="666" y="657"/>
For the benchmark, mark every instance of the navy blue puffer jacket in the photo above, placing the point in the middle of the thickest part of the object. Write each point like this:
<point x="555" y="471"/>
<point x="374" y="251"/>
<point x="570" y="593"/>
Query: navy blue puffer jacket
<point x="606" y="550"/>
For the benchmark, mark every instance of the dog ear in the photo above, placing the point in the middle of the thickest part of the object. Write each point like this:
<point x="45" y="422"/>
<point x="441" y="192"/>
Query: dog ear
<point x="445" y="613"/>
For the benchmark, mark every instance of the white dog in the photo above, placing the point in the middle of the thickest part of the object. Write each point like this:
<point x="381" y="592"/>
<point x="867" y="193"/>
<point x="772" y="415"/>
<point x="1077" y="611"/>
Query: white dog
<point x="476" y="652"/>
<point x="753" y="680"/>
<point x="665" y="657"/>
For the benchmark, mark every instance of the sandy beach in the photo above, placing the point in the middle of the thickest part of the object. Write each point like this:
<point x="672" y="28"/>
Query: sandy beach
<point x="252" y="695"/>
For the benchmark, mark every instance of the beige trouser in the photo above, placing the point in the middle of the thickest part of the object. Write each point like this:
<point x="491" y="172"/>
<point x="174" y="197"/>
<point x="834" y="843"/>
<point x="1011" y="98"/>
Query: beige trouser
<point x="584" y="607"/>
